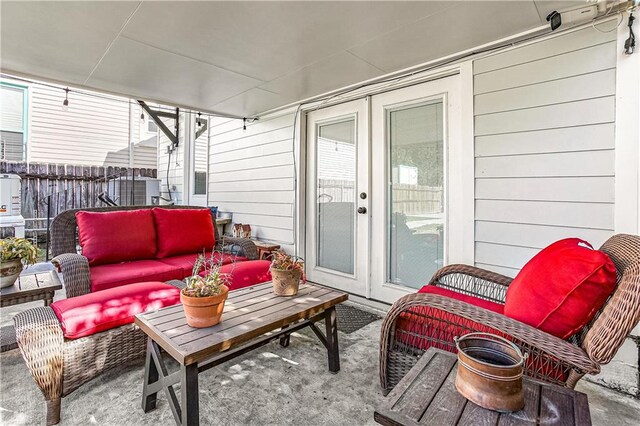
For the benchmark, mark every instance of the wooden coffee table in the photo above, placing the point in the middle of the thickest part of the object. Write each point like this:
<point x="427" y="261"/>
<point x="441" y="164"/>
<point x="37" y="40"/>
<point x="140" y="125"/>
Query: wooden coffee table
<point x="249" y="313"/>
<point x="427" y="396"/>
<point x="37" y="282"/>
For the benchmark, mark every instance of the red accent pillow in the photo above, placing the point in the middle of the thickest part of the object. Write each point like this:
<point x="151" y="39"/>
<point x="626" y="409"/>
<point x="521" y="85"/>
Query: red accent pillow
<point x="182" y="231"/>
<point x="560" y="290"/>
<point x="103" y="310"/>
<point x="112" y="237"/>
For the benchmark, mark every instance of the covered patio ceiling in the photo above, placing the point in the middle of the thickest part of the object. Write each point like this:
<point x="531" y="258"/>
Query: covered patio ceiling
<point x="243" y="58"/>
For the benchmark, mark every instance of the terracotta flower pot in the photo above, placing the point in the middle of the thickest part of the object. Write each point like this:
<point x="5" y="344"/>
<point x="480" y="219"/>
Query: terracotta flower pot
<point x="285" y="282"/>
<point x="9" y="272"/>
<point x="202" y="312"/>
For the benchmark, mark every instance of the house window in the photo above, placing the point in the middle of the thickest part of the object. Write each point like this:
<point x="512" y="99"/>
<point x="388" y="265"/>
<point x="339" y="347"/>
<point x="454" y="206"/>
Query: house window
<point x="152" y="127"/>
<point x="13" y="122"/>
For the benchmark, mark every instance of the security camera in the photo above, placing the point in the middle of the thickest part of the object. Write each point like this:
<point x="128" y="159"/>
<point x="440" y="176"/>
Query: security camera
<point x="572" y="16"/>
<point x="555" y="19"/>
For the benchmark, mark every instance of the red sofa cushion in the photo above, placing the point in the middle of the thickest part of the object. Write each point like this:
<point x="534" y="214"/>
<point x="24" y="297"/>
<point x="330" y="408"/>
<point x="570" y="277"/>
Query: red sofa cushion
<point x="244" y="274"/>
<point x="109" y="237"/>
<point x="182" y="231"/>
<point x="560" y="290"/>
<point x="186" y="261"/>
<point x="118" y="274"/>
<point x="103" y="310"/>
<point x="425" y="327"/>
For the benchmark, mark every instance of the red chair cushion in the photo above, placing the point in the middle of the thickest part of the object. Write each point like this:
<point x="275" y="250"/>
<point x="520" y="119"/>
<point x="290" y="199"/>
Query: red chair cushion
<point x="182" y="231"/>
<point x="186" y="261"/>
<point x="560" y="290"/>
<point x="103" y="310"/>
<point x="482" y="303"/>
<point x="424" y="327"/>
<point x="244" y="274"/>
<point x="118" y="274"/>
<point x="109" y="237"/>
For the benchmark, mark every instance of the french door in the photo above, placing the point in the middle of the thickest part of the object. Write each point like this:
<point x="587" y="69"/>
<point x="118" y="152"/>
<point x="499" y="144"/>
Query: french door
<point x="337" y="212"/>
<point x="384" y="190"/>
<point x="415" y="134"/>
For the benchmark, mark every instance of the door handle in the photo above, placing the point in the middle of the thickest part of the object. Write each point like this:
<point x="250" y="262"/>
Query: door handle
<point x="362" y="210"/>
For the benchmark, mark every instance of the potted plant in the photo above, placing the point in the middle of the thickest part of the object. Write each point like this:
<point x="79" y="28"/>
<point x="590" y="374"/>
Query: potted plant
<point x="286" y="273"/>
<point x="204" y="296"/>
<point x="14" y="253"/>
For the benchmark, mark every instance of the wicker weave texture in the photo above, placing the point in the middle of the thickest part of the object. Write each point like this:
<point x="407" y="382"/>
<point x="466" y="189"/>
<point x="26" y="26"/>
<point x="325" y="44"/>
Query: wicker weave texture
<point x="437" y="320"/>
<point x="59" y="366"/>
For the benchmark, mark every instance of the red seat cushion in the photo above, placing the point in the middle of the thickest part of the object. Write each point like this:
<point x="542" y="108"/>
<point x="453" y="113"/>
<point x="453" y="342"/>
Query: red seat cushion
<point x="560" y="290"/>
<point x="424" y="327"/>
<point x="186" y="261"/>
<point x="244" y="274"/>
<point x="117" y="274"/>
<point x="95" y="312"/>
<point x="109" y="237"/>
<point x="183" y="231"/>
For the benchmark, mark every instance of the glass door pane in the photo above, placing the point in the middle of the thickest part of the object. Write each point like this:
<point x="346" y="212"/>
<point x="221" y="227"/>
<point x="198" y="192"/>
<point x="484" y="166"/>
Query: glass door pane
<point x="416" y="193"/>
<point x="335" y="195"/>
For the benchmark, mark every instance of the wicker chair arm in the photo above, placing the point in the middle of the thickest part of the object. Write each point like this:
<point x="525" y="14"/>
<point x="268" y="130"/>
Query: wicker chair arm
<point x="472" y="281"/>
<point x="241" y="246"/>
<point x="75" y="273"/>
<point x="528" y="338"/>
<point x="40" y="341"/>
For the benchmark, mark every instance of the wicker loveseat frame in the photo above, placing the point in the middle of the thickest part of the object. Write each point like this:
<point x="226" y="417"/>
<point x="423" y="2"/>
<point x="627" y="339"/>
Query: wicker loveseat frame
<point x="58" y="365"/>
<point x="563" y="362"/>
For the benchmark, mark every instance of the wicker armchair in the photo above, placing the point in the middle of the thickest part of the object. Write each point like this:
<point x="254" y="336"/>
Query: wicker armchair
<point x="75" y="268"/>
<point x="435" y="320"/>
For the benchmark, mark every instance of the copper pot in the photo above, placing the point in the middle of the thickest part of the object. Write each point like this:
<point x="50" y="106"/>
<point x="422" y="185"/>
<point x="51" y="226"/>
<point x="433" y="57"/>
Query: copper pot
<point x="490" y="371"/>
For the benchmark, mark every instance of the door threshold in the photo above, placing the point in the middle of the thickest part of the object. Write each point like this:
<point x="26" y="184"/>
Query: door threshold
<point x="370" y="305"/>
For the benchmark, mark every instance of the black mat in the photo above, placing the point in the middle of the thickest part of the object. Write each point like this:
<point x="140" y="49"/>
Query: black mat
<point x="351" y="319"/>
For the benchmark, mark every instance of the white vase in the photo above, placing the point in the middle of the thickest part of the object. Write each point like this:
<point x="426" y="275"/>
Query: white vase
<point x="9" y="272"/>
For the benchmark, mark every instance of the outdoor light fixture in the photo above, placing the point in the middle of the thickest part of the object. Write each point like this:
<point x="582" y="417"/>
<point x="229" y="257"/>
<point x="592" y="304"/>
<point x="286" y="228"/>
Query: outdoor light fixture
<point x="65" y="103"/>
<point x="199" y="120"/>
<point x="142" y="116"/>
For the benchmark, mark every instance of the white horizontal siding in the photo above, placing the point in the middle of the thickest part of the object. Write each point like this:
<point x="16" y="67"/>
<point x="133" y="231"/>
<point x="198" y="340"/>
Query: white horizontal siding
<point x="251" y="174"/>
<point x="93" y="131"/>
<point x="544" y="147"/>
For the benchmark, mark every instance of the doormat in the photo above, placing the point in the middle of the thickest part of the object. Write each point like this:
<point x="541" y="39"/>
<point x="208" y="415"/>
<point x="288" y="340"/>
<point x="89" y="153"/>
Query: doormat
<point x="351" y="319"/>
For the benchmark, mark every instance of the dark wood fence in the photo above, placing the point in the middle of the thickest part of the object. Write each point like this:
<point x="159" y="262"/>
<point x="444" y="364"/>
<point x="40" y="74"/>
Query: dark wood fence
<point x="48" y="189"/>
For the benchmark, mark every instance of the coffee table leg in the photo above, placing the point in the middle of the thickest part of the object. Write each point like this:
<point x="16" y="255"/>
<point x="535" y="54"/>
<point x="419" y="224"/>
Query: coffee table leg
<point x="331" y="326"/>
<point x="284" y="340"/>
<point x="150" y="376"/>
<point x="189" y="395"/>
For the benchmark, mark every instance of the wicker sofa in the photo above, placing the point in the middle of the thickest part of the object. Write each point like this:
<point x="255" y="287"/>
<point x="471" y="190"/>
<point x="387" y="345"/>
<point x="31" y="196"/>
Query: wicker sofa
<point x="60" y="365"/>
<point x="408" y="328"/>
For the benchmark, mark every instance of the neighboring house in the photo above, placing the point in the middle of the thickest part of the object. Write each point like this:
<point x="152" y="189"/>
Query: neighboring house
<point x="98" y="130"/>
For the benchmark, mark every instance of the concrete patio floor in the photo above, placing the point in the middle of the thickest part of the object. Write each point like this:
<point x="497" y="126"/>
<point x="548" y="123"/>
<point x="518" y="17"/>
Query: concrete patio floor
<point x="270" y="386"/>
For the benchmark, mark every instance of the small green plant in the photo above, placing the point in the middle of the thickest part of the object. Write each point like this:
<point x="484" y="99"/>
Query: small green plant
<point x="18" y="248"/>
<point x="286" y="262"/>
<point x="211" y="284"/>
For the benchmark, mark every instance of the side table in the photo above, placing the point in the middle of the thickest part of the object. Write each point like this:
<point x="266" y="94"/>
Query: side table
<point x="265" y="249"/>
<point x="37" y="282"/>
<point x="427" y="396"/>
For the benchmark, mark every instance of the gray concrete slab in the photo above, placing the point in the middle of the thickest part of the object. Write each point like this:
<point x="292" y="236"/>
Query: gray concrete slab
<point x="270" y="386"/>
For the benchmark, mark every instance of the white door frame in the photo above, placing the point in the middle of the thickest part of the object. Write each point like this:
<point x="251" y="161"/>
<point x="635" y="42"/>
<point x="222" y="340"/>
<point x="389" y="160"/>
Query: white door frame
<point x="467" y="161"/>
<point x="358" y="282"/>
